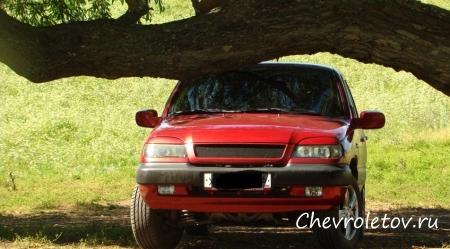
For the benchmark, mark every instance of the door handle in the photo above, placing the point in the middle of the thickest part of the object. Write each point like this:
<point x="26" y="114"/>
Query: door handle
<point x="364" y="138"/>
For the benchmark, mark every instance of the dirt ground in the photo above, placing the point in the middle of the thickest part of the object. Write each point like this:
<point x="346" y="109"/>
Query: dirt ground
<point x="105" y="226"/>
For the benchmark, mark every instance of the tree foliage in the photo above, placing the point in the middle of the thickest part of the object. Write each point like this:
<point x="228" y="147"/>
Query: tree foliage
<point x="47" y="13"/>
<point x="53" y="12"/>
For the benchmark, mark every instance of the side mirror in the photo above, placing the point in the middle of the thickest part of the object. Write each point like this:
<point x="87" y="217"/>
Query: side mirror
<point x="147" y="118"/>
<point x="371" y="120"/>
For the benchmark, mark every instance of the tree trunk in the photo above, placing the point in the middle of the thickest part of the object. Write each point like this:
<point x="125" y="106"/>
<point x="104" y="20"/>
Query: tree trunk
<point x="401" y="34"/>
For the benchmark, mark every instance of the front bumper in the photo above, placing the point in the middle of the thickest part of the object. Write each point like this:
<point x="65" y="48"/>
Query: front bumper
<point x="285" y="196"/>
<point x="291" y="174"/>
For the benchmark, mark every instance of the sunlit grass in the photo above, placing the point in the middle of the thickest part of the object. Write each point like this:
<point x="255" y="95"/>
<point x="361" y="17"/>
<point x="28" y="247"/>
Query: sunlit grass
<point x="75" y="141"/>
<point x="441" y="3"/>
<point x="413" y="172"/>
<point x="72" y="139"/>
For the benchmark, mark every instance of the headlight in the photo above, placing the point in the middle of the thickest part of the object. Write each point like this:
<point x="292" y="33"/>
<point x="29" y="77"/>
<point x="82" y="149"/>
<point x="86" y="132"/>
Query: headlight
<point x="317" y="151"/>
<point x="164" y="150"/>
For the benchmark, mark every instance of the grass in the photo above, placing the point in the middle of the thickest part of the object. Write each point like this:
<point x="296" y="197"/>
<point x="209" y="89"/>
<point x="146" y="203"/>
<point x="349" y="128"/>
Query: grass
<point x="72" y="143"/>
<point x="75" y="140"/>
<point x="413" y="173"/>
<point x="72" y="140"/>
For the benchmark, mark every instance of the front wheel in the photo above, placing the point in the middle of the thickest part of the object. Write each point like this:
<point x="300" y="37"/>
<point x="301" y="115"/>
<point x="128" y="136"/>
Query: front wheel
<point x="351" y="221"/>
<point x="151" y="227"/>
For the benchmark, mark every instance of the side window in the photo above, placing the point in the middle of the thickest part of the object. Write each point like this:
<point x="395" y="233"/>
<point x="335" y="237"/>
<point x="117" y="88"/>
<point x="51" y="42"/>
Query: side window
<point x="350" y="100"/>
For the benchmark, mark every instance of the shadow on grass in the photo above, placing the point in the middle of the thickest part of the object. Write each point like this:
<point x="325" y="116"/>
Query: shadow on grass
<point x="94" y="224"/>
<point x="388" y="238"/>
<point x="91" y="224"/>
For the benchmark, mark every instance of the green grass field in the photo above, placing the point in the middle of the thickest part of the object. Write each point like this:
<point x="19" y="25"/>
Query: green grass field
<point x="73" y="142"/>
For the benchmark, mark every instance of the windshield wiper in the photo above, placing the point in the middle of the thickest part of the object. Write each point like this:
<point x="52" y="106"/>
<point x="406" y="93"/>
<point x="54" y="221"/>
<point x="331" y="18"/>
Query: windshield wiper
<point x="283" y="110"/>
<point x="202" y="111"/>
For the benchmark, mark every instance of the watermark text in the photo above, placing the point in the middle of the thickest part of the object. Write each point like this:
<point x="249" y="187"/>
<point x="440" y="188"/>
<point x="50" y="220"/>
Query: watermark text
<point x="368" y="221"/>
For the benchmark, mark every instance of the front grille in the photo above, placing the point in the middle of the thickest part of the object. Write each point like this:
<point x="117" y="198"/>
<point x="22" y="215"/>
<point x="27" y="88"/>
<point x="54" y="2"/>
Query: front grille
<point x="240" y="151"/>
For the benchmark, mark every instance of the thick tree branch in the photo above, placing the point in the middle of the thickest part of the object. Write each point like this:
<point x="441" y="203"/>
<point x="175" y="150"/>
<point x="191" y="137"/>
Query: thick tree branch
<point x="404" y="35"/>
<point x="19" y="46"/>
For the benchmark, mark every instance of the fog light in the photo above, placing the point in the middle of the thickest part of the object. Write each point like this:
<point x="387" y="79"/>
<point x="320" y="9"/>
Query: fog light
<point x="313" y="191"/>
<point x="166" y="189"/>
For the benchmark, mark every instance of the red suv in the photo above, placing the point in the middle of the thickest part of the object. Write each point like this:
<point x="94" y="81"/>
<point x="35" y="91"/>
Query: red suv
<point x="272" y="143"/>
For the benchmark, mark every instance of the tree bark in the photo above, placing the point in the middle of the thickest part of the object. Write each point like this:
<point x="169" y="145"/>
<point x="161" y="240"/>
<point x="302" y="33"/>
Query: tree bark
<point x="401" y="34"/>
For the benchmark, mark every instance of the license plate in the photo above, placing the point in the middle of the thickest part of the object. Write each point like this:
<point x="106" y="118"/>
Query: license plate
<point x="237" y="181"/>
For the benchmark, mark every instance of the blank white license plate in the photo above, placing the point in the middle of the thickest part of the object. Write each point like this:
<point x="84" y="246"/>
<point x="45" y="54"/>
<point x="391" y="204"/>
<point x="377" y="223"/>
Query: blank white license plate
<point x="237" y="181"/>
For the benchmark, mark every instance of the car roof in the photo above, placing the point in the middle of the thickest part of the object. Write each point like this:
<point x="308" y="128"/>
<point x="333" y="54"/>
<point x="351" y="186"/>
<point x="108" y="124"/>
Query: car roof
<point x="293" y="65"/>
<point x="297" y="64"/>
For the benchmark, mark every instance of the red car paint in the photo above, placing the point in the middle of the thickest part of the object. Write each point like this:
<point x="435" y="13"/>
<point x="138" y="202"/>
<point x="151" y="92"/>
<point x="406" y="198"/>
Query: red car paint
<point x="256" y="130"/>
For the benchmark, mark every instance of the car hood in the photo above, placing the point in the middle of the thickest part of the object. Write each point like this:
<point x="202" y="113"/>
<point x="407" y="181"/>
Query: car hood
<point x="249" y="128"/>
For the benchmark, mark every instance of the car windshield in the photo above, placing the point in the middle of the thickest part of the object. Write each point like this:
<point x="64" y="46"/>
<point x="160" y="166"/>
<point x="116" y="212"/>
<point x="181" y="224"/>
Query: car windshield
<point x="295" y="90"/>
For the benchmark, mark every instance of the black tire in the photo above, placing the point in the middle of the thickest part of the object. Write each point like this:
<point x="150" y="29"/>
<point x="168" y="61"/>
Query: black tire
<point x="200" y="230"/>
<point x="342" y="237"/>
<point x="149" y="226"/>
